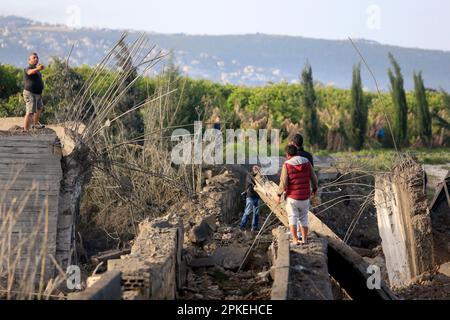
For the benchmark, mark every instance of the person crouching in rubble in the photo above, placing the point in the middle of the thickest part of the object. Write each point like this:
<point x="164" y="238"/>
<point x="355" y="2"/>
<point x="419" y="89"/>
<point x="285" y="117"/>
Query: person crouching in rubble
<point x="252" y="201"/>
<point x="297" y="176"/>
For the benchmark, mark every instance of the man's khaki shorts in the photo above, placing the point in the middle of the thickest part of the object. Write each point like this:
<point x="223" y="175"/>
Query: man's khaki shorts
<point x="33" y="101"/>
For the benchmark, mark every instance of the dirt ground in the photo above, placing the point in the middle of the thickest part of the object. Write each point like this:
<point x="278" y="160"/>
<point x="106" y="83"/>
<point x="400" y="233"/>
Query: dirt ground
<point x="429" y="286"/>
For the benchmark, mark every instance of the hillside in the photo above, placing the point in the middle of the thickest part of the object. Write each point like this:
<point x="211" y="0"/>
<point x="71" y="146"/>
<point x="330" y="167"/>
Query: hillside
<point x="239" y="59"/>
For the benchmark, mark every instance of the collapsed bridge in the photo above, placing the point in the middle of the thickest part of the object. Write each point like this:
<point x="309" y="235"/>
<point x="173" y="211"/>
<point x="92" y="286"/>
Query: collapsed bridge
<point x="168" y="250"/>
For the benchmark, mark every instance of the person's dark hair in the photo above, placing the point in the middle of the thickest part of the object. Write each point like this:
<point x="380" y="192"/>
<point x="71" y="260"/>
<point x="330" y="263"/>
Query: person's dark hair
<point x="298" y="140"/>
<point x="291" y="150"/>
<point x="33" y="54"/>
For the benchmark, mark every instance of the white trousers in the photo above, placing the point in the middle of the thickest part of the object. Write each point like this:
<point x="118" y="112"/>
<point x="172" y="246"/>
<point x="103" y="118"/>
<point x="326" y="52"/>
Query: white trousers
<point x="297" y="211"/>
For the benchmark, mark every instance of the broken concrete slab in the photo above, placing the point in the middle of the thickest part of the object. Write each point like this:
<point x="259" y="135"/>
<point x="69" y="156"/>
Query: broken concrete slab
<point x="153" y="266"/>
<point x="106" y="287"/>
<point x="202" y="262"/>
<point x="404" y="222"/>
<point x="280" y="269"/>
<point x="229" y="257"/>
<point x="445" y="269"/>
<point x="203" y="232"/>
<point x="309" y="278"/>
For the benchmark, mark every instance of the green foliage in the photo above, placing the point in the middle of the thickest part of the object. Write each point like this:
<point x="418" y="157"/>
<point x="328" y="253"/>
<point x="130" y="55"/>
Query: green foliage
<point x="13" y="106"/>
<point x="132" y="122"/>
<point x="241" y="106"/>
<point x="62" y="84"/>
<point x="358" y="111"/>
<point x="191" y="100"/>
<point x="441" y="116"/>
<point x="10" y="80"/>
<point x="400" y="123"/>
<point x="10" y="91"/>
<point x="384" y="159"/>
<point x="310" y="119"/>
<point x="423" y="111"/>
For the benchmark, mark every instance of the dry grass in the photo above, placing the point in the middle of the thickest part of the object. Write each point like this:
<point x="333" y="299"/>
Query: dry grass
<point x="132" y="177"/>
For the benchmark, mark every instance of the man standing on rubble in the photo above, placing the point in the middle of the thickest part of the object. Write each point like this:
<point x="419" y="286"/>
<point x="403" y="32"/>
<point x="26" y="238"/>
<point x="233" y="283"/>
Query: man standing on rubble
<point x="33" y="87"/>
<point x="297" y="178"/>
<point x="297" y="141"/>
<point x="252" y="201"/>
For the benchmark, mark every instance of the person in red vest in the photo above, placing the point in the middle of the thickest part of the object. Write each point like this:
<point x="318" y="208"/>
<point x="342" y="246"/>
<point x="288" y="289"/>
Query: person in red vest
<point x="297" y="179"/>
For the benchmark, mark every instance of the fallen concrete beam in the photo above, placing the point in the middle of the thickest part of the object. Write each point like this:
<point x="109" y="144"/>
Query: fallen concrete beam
<point x="280" y="286"/>
<point x="355" y="275"/>
<point x="108" y="255"/>
<point x="404" y="222"/>
<point x="347" y="266"/>
<point x="309" y="278"/>
<point x="107" y="287"/>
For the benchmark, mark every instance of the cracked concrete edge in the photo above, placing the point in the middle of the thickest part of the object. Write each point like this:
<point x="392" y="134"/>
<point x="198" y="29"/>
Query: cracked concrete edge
<point x="280" y="287"/>
<point x="108" y="287"/>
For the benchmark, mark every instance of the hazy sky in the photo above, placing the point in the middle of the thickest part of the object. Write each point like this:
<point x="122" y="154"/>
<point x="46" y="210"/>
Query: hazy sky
<point x="410" y="23"/>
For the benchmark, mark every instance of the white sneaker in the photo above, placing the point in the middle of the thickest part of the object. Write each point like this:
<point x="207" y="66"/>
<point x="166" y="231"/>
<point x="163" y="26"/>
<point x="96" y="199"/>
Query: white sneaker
<point x="37" y="126"/>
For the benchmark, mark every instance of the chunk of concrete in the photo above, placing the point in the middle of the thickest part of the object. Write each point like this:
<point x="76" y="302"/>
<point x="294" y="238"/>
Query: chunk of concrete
<point x="309" y="278"/>
<point x="202" y="262"/>
<point x="106" y="287"/>
<point x="404" y="222"/>
<point x="229" y="257"/>
<point x="445" y="269"/>
<point x="204" y="231"/>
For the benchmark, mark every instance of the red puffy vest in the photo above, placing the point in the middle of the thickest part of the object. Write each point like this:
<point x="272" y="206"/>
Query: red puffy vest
<point x="299" y="175"/>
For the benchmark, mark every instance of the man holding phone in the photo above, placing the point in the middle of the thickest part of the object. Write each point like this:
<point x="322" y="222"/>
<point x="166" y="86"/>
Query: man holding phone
<point x="33" y="87"/>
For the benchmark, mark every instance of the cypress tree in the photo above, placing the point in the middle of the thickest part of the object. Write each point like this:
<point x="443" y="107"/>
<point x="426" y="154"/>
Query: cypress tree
<point x="310" y="119"/>
<point x="358" y="111"/>
<point x="423" y="110"/>
<point x="400" y="123"/>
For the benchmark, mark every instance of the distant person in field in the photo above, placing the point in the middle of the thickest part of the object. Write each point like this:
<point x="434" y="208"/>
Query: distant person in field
<point x="33" y="87"/>
<point x="297" y="179"/>
<point x="216" y="124"/>
<point x="380" y="135"/>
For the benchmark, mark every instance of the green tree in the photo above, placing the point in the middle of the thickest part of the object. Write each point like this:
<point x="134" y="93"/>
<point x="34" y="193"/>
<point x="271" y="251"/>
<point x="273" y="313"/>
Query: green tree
<point x="358" y="111"/>
<point x="400" y="123"/>
<point x="10" y="81"/>
<point x="14" y="106"/>
<point x="310" y="120"/>
<point x="423" y="110"/>
<point x="131" y="123"/>
<point x="62" y="84"/>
